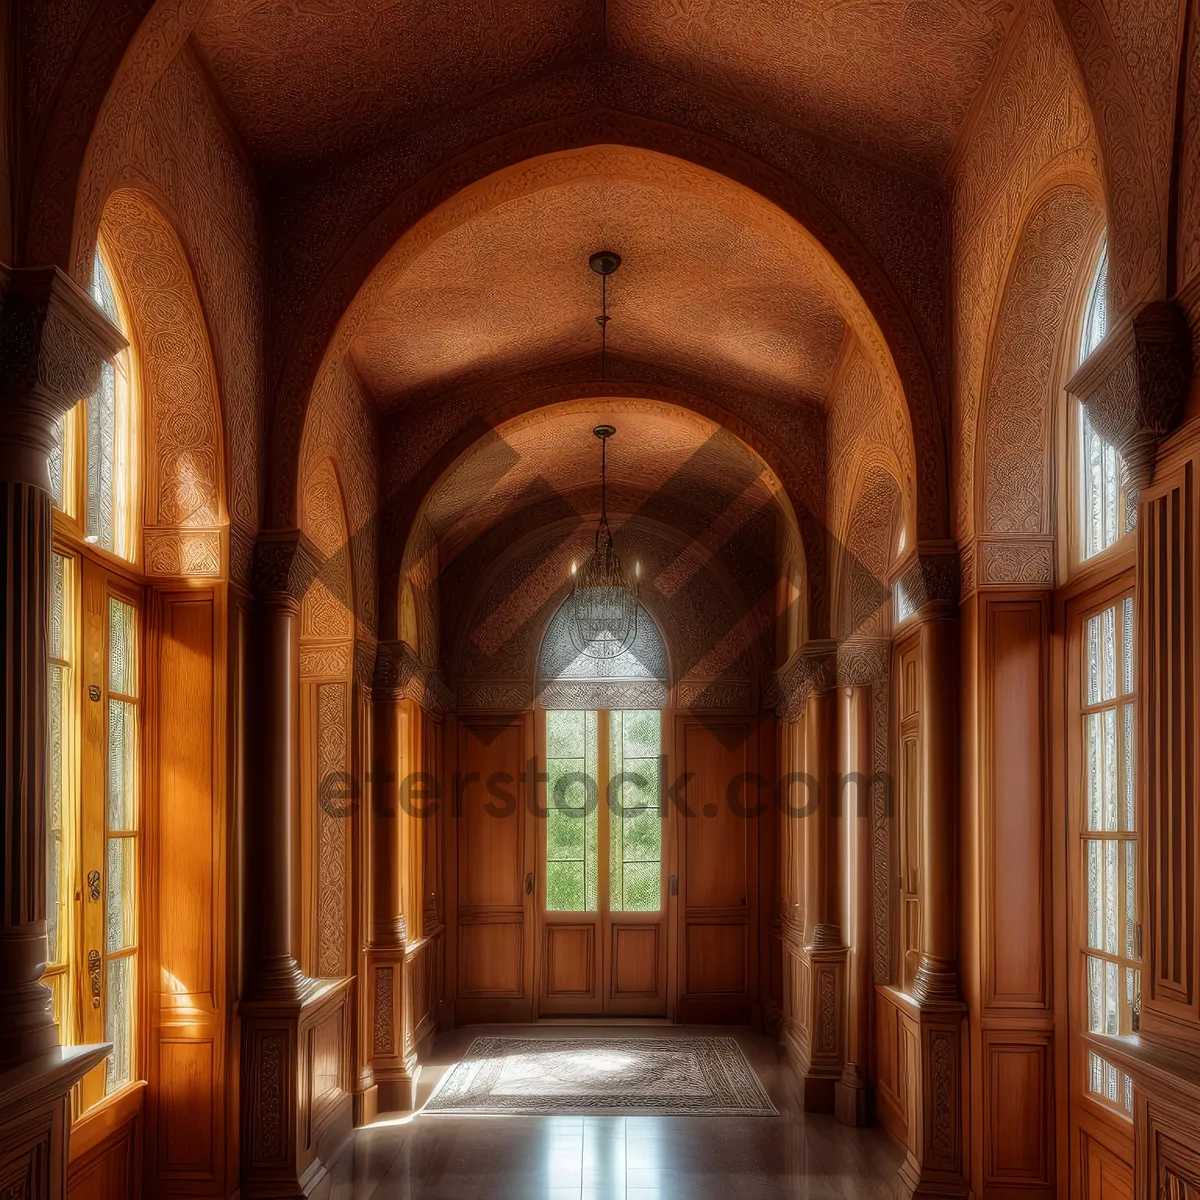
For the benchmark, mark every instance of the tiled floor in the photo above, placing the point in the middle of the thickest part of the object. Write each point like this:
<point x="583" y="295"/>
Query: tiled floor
<point x="428" y="1157"/>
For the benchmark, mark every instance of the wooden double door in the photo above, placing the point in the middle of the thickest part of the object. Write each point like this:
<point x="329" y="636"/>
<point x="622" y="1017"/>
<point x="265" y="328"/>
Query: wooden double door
<point x="566" y="903"/>
<point x="603" y="851"/>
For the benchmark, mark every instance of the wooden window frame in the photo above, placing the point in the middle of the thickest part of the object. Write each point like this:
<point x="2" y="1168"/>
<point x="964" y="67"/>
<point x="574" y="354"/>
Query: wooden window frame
<point x="603" y="827"/>
<point x="1079" y="609"/>
<point x="98" y="575"/>
<point x="909" y="809"/>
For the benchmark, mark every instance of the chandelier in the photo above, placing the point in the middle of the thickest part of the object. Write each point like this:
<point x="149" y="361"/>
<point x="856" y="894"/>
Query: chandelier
<point x="604" y="604"/>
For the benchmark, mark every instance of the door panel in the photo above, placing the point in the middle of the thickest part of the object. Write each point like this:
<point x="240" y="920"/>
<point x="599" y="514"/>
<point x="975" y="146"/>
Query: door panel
<point x="570" y="962"/>
<point x="718" y="761"/>
<point x="635" y="962"/>
<point x="603" y="960"/>
<point x="495" y="959"/>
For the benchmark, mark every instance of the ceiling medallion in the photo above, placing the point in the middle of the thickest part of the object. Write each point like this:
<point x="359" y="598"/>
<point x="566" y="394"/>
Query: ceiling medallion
<point x="604" y="604"/>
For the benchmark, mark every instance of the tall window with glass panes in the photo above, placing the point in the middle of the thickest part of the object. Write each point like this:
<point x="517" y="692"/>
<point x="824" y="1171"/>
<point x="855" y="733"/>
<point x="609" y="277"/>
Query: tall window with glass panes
<point x="93" y="826"/>
<point x="1106" y="809"/>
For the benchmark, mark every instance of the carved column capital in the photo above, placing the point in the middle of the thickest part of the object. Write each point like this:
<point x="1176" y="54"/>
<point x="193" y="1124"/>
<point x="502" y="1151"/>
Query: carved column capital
<point x="399" y="673"/>
<point x="1134" y="384"/>
<point x="53" y="341"/>
<point x="813" y="668"/>
<point x="862" y="660"/>
<point x="926" y="581"/>
<point x="285" y="565"/>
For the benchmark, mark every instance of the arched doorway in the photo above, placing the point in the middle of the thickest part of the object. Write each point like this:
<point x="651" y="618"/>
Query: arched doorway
<point x="605" y="843"/>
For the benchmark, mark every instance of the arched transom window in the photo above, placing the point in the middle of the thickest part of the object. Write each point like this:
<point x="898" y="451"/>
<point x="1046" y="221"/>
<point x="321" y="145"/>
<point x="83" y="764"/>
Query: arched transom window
<point x="1103" y="511"/>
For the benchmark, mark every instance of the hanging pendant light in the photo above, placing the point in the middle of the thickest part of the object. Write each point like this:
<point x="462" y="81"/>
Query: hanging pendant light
<point x="604" y="604"/>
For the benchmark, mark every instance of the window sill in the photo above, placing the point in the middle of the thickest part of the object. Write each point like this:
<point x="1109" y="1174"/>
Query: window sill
<point x="1087" y="573"/>
<point x="1154" y="1065"/>
<point x="106" y="1117"/>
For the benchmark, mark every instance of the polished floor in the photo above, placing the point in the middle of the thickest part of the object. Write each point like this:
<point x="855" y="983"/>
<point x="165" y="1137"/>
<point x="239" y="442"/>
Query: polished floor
<point x="443" y="1157"/>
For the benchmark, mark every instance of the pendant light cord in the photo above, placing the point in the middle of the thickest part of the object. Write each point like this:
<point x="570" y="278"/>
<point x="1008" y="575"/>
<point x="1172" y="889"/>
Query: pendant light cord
<point x="603" y="321"/>
<point x="603" y="491"/>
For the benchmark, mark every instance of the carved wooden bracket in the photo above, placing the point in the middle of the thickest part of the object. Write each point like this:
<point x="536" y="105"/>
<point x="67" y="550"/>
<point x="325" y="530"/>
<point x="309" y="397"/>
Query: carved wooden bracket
<point x="862" y="660"/>
<point x="813" y="668"/>
<point x="926" y="579"/>
<point x="399" y="672"/>
<point x="53" y="340"/>
<point x="1134" y="384"/>
<point x="285" y="564"/>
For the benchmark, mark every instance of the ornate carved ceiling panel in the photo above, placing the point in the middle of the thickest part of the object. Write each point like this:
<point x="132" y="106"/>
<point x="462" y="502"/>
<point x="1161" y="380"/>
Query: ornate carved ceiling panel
<point x="304" y="79"/>
<point x="890" y="75"/>
<point x="663" y="460"/>
<point x="714" y="627"/>
<point x="705" y="285"/>
<point x="307" y="80"/>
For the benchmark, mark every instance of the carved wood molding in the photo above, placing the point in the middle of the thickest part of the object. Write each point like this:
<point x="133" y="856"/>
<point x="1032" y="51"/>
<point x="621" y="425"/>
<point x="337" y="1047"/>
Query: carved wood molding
<point x="285" y="564"/>
<point x="862" y="660"/>
<point x="813" y="668"/>
<point x="695" y="694"/>
<point x="1134" y="386"/>
<point x="927" y="581"/>
<point x="998" y="561"/>
<point x="399" y="673"/>
<point x="188" y="552"/>
<point x="500" y="694"/>
<point x="53" y="340"/>
<point x="603" y="693"/>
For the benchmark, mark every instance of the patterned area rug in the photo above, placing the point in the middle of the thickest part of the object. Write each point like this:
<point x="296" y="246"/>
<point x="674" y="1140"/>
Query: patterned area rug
<point x="675" y="1076"/>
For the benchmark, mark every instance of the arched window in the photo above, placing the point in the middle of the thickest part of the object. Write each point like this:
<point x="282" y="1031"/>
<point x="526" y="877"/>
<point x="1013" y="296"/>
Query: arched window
<point x="93" y="468"/>
<point x="602" y="747"/>
<point x="1103" y="513"/>
<point x="93" y="826"/>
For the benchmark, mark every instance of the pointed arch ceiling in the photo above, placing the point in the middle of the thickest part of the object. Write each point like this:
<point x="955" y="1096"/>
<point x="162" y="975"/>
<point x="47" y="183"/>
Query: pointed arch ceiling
<point x="710" y="283"/>
<point x="664" y="463"/>
<point x="493" y="286"/>
<point x="893" y="76"/>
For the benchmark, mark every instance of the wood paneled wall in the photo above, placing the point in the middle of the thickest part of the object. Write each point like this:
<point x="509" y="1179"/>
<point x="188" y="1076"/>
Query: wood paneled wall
<point x="717" y="761"/>
<point x="1168" y="594"/>
<point x="1006" y="932"/>
<point x="107" y="1151"/>
<point x="489" y="861"/>
<point x="188" y="1017"/>
<point x="1166" y="1063"/>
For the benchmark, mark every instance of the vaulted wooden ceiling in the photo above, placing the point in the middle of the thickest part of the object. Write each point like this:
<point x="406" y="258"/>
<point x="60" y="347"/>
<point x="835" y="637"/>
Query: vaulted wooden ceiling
<point x="310" y="78"/>
<point x="705" y="286"/>
<point x="664" y="463"/>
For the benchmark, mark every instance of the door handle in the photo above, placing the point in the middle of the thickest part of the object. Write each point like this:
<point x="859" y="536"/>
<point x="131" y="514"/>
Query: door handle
<point x="529" y="884"/>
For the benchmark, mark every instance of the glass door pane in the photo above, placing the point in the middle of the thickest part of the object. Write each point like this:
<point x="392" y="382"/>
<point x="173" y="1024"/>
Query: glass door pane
<point x="572" y="804"/>
<point x="635" y="813"/>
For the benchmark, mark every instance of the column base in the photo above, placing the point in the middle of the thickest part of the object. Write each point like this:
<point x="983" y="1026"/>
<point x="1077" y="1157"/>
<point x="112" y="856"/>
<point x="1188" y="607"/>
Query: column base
<point x="936" y="981"/>
<point x="851" y="1099"/>
<point x="297" y="1099"/>
<point x="35" y="1119"/>
<point x="393" y="1060"/>
<point x="366" y="1106"/>
<point x="814" y="1035"/>
<point x="399" y="1094"/>
<point x="935" y="1162"/>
